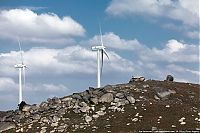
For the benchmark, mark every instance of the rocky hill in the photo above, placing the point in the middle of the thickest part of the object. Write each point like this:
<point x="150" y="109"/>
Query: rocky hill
<point x="138" y="106"/>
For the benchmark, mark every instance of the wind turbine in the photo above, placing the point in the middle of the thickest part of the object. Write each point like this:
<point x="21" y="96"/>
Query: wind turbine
<point x="100" y="53"/>
<point x="21" y="67"/>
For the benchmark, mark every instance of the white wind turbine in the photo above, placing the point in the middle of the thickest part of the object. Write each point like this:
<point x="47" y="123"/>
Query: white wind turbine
<point x="21" y="66"/>
<point x="100" y="51"/>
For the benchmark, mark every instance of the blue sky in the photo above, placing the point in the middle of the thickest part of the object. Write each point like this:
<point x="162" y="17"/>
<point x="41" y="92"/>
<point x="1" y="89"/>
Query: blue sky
<point x="143" y="38"/>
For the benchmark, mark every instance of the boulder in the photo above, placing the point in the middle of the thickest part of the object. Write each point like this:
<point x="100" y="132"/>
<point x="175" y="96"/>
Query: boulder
<point x="36" y="117"/>
<point x="131" y="99"/>
<point x="85" y="109"/>
<point x="56" y="100"/>
<point x="94" y="100"/>
<point x="21" y="105"/>
<point x="88" y="119"/>
<point x="108" y="97"/>
<point x="120" y="95"/>
<point x="26" y="108"/>
<point x="4" y="126"/>
<point x="108" y="89"/>
<point x="169" y="78"/>
<point x="163" y="93"/>
<point x="66" y="99"/>
<point x="76" y="96"/>
<point x="137" y="79"/>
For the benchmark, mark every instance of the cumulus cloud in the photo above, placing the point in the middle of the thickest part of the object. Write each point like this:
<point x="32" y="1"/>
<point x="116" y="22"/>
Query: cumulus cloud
<point x="30" y="26"/>
<point x="114" y="41"/>
<point x="173" y="51"/>
<point x="72" y="59"/>
<point x="179" y="10"/>
<point x="7" y="84"/>
<point x="184" y="13"/>
<point x="193" y="34"/>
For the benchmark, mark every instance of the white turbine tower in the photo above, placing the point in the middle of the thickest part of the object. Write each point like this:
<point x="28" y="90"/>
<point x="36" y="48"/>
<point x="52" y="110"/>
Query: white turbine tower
<point x="21" y="66"/>
<point x="100" y="53"/>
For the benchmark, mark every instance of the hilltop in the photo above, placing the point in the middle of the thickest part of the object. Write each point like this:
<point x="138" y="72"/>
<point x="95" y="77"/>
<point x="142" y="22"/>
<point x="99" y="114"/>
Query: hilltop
<point x="137" y="106"/>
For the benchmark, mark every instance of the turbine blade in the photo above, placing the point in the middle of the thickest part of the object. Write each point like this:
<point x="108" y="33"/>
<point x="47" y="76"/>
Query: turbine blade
<point x="20" y="51"/>
<point x="101" y="61"/>
<point x="101" y="34"/>
<point x="104" y="51"/>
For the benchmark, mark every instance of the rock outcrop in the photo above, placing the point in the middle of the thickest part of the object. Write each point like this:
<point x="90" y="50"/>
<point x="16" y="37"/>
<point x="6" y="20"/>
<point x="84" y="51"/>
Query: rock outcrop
<point x="137" y="106"/>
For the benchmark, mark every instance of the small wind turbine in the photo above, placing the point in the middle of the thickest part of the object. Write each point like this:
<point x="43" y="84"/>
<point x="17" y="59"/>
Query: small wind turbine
<point x="21" y="66"/>
<point x="100" y="51"/>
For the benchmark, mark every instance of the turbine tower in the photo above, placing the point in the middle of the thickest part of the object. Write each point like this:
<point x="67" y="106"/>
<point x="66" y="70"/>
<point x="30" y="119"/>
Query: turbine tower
<point x="21" y="67"/>
<point x="100" y="53"/>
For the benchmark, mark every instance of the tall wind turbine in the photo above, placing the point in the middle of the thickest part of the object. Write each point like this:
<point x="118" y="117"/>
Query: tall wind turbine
<point x="21" y="66"/>
<point x="100" y="53"/>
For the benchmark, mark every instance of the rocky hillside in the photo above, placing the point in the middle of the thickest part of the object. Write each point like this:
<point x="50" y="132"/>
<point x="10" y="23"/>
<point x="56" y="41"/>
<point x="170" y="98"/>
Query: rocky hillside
<point x="124" y="108"/>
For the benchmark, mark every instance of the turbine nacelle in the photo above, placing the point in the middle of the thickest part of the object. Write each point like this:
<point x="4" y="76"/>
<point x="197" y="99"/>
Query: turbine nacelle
<point x="95" y="48"/>
<point x="20" y="66"/>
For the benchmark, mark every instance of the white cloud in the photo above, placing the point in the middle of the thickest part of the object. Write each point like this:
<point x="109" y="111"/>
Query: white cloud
<point x="174" y="46"/>
<point x="52" y="87"/>
<point x="7" y="84"/>
<point x="174" y="51"/>
<point x="179" y="10"/>
<point x="114" y="41"/>
<point x="193" y="34"/>
<point x="30" y="26"/>
<point x="182" y="15"/>
<point x="72" y="59"/>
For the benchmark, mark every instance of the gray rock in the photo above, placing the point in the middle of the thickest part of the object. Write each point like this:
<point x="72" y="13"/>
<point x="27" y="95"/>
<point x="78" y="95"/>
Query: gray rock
<point x="34" y="108"/>
<point x="137" y="79"/>
<point x="62" y="128"/>
<point x="169" y="78"/>
<point x="131" y="99"/>
<point x="100" y="113"/>
<point x="86" y="98"/>
<point x="122" y="103"/>
<point x="66" y="99"/>
<point x="45" y="120"/>
<point x="56" y="118"/>
<point x="76" y="110"/>
<point x="85" y="93"/>
<point x="88" y="118"/>
<point x="56" y="100"/>
<point x="26" y="108"/>
<point x="62" y="111"/>
<point x="85" y="109"/>
<point x="94" y="100"/>
<point x="4" y="126"/>
<point x="108" y="97"/>
<point x="120" y="95"/>
<point x="116" y="100"/>
<point x="108" y="89"/>
<point x="82" y="104"/>
<point x="91" y="89"/>
<point x="54" y="124"/>
<point x="36" y="117"/>
<point x="43" y="104"/>
<point x="164" y="93"/>
<point x="76" y="96"/>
